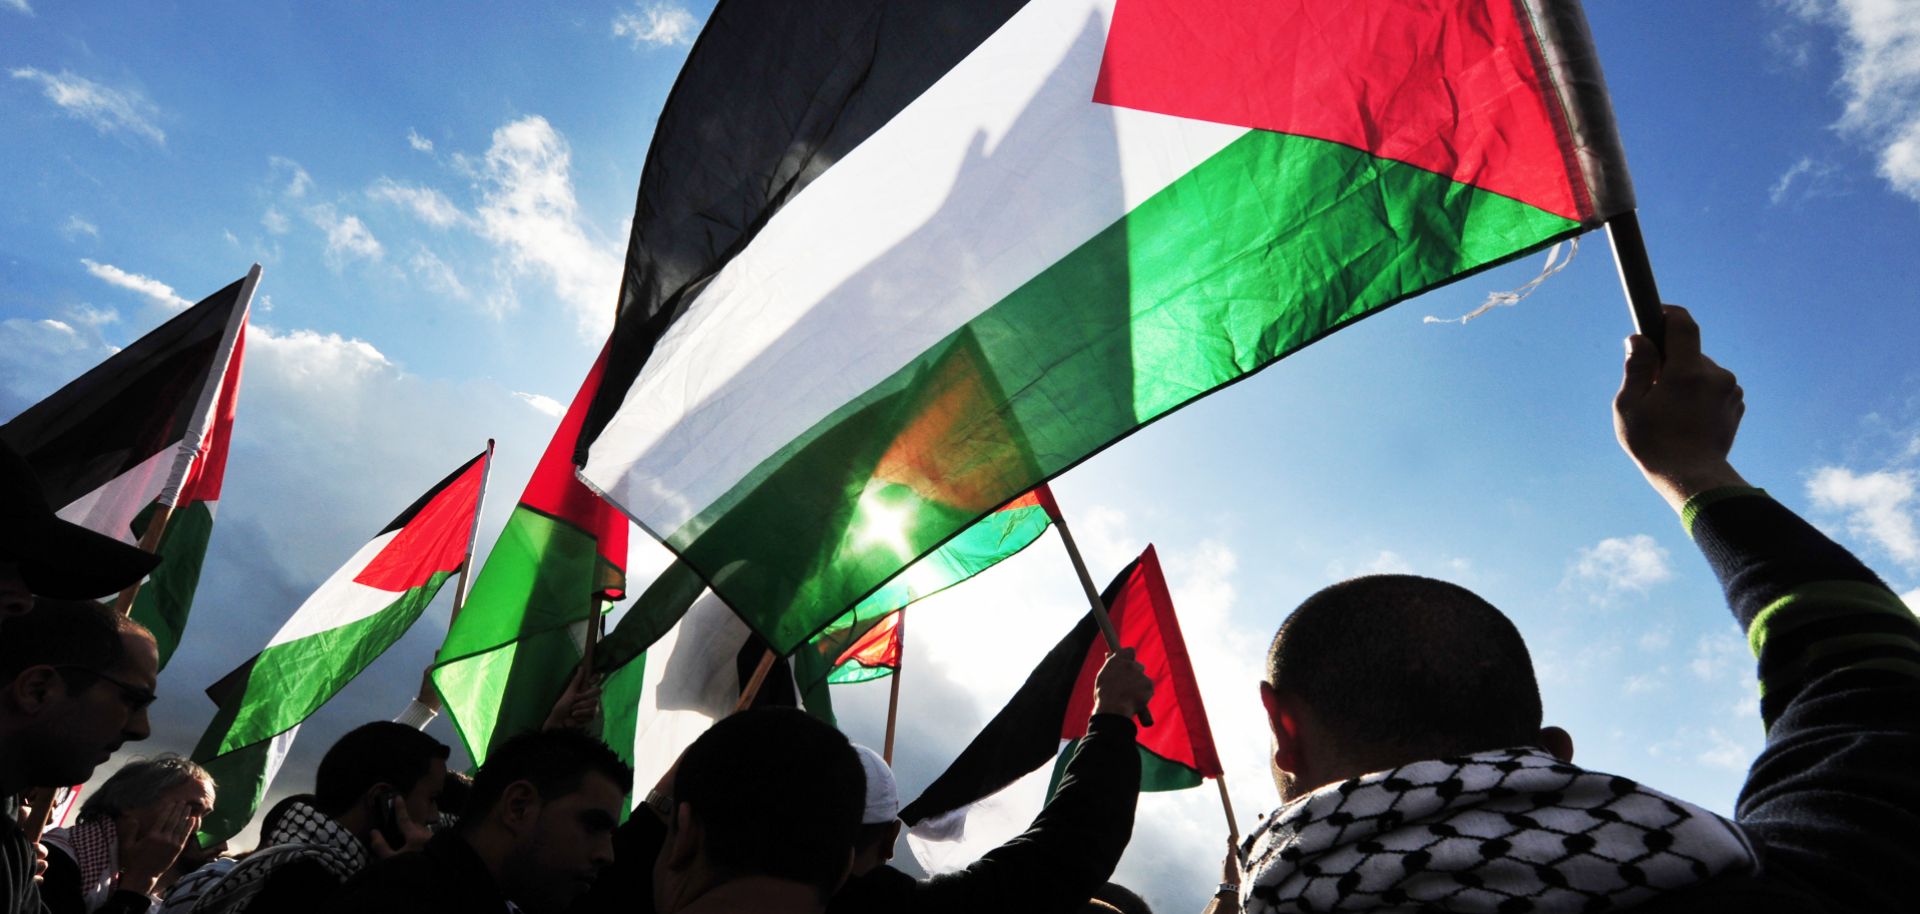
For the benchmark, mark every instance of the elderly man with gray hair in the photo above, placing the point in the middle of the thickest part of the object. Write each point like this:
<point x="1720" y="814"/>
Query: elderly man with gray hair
<point x="127" y="849"/>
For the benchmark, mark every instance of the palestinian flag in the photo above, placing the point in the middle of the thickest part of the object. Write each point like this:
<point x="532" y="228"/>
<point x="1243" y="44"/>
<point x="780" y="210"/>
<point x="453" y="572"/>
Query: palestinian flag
<point x="894" y="263"/>
<point x="864" y="644"/>
<point x="518" y="637"/>
<point x="145" y="432"/>
<point x="1048" y="715"/>
<point x="355" y="616"/>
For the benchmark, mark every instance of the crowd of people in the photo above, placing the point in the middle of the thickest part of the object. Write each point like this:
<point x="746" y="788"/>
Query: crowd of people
<point x="1413" y="768"/>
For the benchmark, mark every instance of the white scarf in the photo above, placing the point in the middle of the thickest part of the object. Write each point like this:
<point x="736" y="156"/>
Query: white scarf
<point x="1497" y="832"/>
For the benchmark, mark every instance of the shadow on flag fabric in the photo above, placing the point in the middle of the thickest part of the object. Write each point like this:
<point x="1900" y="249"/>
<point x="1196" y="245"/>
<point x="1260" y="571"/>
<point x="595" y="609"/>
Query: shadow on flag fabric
<point x="145" y="431"/>
<point x="352" y="619"/>
<point x="520" y="633"/>
<point x="1052" y="223"/>
<point x="1047" y="716"/>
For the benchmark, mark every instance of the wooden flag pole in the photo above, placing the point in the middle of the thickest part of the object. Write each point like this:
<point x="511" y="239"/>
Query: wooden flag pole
<point x="1226" y="803"/>
<point x="150" y="542"/>
<point x="1636" y="278"/>
<point x="893" y="695"/>
<point x="1098" y="605"/>
<point x="752" y="689"/>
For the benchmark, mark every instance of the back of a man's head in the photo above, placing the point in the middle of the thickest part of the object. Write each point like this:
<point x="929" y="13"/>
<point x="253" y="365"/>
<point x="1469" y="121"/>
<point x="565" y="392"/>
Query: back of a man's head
<point x="555" y="762"/>
<point x="776" y="793"/>
<point x="1399" y="668"/>
<point x="381" y="752"/>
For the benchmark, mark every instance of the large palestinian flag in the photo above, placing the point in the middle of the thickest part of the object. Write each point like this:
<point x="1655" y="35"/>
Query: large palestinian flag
<point x="894" y="263"/>
<point x="516" y="641"/>
<point x="864" y="644"/>
<point x="354" y="617"/>
<point x="143" y="432"/>
<point x="1048" y="715"/>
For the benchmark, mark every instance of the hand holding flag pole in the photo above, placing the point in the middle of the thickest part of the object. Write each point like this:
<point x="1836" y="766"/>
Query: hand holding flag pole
<point x="1636" y="278"/>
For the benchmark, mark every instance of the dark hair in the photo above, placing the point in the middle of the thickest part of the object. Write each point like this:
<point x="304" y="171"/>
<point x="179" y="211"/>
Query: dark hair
<point x="453" y="796"/>
<point x="381" y="752"/>
<point x="64" y="633"/>
<point x="555" y="762"/>
<point x="778" y="793"/>
<point x="1409" y="667"/>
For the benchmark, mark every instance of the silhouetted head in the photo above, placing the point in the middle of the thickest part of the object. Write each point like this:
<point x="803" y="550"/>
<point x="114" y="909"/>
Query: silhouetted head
<point x="1380" y="671"/>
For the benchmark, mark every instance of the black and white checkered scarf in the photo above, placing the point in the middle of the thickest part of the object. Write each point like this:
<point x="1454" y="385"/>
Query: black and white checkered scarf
<point x="1504" y="831"/>
<point x="302" y="833"/>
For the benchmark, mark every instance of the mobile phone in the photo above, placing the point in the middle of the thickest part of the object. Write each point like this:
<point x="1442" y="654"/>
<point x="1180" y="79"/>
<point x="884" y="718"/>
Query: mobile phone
<point x="389" y="818"/>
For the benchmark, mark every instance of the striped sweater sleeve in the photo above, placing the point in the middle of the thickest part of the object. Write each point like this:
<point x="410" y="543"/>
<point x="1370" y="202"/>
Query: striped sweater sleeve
<point x="1833" y="801"/>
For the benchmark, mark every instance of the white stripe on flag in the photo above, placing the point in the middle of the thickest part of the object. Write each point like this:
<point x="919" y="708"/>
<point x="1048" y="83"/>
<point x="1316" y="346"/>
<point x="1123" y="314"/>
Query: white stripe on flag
<point x="340" y="601"/>
<point x="692" y="679"/>
<point x="111" y="508"/>
<point x="998" y="171"/>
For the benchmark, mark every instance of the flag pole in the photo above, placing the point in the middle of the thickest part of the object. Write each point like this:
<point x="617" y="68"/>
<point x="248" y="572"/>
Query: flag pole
<point x="1098" y="605"/>
<point x="893" y="696"/>
<point x="149" y="542"/>
<point x="752" y="689"/>
<point x="1226" y="803"/>
<point x="430" y="696"/>
<point x="1636" y="278"/>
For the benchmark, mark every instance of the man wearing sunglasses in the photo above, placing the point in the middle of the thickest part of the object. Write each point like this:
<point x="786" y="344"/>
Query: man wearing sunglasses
<point x="75" y="682"/>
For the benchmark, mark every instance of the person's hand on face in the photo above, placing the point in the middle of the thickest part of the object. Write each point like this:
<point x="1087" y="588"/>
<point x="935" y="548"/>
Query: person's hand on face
<point x="151" y="844"/>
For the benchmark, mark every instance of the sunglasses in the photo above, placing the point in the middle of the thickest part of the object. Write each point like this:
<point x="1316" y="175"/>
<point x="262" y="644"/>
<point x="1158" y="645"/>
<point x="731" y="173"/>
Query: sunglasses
<point x="135" y="697"/>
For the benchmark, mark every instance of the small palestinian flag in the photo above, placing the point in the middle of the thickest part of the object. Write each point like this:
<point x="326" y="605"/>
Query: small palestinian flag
<point x="518" y="638"/>
<point x="893" y="264"/>
<point x="147" y="431"/>
<point x="345" y="625"/>
<point x="864" y="644"/>
<point x="1048" y="715"/>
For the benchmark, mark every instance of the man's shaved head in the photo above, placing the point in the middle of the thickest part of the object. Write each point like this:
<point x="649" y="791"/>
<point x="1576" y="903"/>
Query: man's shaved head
<point x="1403" y="668"/>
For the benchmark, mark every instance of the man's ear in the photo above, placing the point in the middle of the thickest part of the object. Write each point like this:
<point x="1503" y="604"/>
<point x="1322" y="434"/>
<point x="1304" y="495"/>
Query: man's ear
<point x="1284" y="724"/>
<point x="519" y="806"/>
<point x="683" y="838"/>
<point x="1557" y="742"/>
<point x="34" y="689"/>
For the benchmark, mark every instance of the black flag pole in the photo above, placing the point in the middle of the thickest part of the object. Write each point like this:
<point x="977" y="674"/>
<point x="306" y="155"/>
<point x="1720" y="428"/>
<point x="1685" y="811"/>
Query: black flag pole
<point x="1636" y="277"/>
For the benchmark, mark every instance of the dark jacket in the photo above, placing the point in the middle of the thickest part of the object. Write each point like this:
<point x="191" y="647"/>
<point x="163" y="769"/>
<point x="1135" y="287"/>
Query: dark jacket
<point x="1054" y="866"/>
<point x="1832" y="804"/>
<point x="445" y="877"/>
<point x="61" y="892"/>
<point x="18" y="894"/>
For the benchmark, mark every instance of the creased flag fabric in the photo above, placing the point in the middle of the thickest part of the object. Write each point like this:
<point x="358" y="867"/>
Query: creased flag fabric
<point x="1048" y="715"/>
<point x="146" y="429"/>
<point x="1051" y="223"/>
<point x="517" y="639"/>
<point x="863" y="644"/>
<point x="360" y="611"/>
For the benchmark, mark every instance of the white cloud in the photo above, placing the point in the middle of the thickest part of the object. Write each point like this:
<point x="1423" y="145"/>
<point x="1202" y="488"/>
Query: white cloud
<point x="76" y="226"/>
<point x="89" y="316"/>
<point x="528" y="208"/>
<point x="275" y="222"/>
<point x="1880" y="54"/>
<point x="18" y="6"/>
<point x="57" y="326"/>
<point x="1645" y="683"/>
<point x="657" y="24"/>
<point x="1619" y="564"/>
<point x="418" y="142"/>
<point x="1876" y="506"/>
<point x="1723" y="752"/>
<point x="1912" y="599"/>
<point x="1806" y="179"/>
<point x="1719" y="658"/>
<point x="427" y="204"/>
<point x="1655" y="640"/>
<point x="544" y="404"/>
<point x="109" y="110"/>
<point x="306" y="356"/>
<point x="347" y="236"/>
<point x="298" y="181"/>
<point x="433" y="271"/>
<point x="156" y="291"/>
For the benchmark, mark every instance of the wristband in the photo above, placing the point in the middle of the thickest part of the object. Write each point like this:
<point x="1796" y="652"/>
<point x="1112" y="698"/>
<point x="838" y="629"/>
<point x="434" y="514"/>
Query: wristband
<point x="1227" y="888"/>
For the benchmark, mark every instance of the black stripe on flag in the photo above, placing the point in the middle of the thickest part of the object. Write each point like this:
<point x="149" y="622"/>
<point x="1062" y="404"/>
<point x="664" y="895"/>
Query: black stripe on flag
<point x="420" y="503"/>
<point x="772" y="95"/>
<point x="1026" y="733"/>
<point x="125" y="409"/>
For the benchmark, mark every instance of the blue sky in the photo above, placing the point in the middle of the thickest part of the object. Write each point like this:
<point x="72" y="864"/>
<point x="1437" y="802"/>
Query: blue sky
<point x="440" y="203"/>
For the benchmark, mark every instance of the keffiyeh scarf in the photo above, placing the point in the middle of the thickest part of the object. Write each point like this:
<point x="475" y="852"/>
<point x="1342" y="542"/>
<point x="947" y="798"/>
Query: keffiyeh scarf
<point x="302" y="833"/>
<point x="95" y="846"/>
<point x="1504" y="831"/>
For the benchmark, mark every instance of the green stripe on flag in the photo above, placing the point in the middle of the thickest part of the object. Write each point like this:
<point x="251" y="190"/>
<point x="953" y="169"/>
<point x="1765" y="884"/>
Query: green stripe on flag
<point x="167" y="596"/>
<point x="1269" y="245"/>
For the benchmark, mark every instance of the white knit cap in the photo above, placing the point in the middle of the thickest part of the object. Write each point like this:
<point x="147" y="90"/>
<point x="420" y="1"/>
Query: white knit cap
<point x="883" y="796"/>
